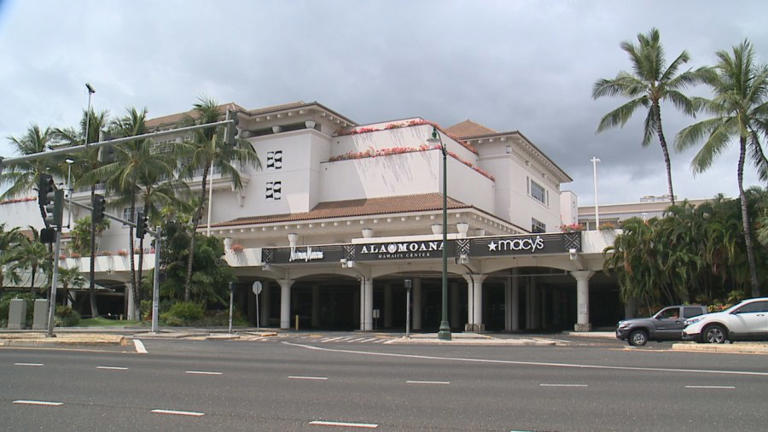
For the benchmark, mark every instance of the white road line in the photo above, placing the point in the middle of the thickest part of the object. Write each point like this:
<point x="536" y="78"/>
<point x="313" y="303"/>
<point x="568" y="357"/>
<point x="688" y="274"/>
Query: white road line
<point x="355" y="340"/>
<point x="192" y="372"/>
<point x="33" y="402"/>
<point x="531" y="363"/>
<point x="307" y="378"/>
<point x="139" y="346"/>
<point x="379" y="340"/>
<point x="112" y="367"/>
<point x="563" y="385"/>
<point x="368" y="340"/>
<point x="427" y="382"/>
<point x="710" y="387"/>
<point x="343" y="424"/>
<point x="28" y="364"/>
<point x="181" y="413"/>
<point x="331" y="339"/>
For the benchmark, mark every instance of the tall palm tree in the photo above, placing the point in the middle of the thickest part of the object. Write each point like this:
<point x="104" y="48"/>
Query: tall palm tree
<point x="208" y="150"/>
<point x="85" y="163"/>
<point x="740" y="109"/>
<point x="650" y="83"/>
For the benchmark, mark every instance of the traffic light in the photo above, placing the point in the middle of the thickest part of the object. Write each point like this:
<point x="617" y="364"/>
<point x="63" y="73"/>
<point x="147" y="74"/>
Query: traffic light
<point x="99" y="205"/>
<point x="232" y="130"/>
<point x="141" y="224"/>
<point x="45" y="186"/>
<point x="51" y="200"/>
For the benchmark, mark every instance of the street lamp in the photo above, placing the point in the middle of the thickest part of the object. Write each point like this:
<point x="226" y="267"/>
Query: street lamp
<point x="445" y="329"/>
<point x="91" y="91"/>
<point x="594" y="161"/>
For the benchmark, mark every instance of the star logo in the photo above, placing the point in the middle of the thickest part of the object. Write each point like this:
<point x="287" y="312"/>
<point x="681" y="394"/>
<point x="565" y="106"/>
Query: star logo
<point x="492" y="246"/>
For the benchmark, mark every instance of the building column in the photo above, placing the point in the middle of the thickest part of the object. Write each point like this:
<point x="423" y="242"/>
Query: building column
<point x="366" y="304"/>
<point x="529" y="302"/>
<point x="264" y="303"/>
<point x="475" y="302"/>
<point x="455" y="312"/>
<point x="543" y="308"/>
<point x="387" y="306"/>
<point x="285" y="303"/>
<point x="315" y="306"/>
<point x="416" y="304"/>
<point x="582" y="299"/>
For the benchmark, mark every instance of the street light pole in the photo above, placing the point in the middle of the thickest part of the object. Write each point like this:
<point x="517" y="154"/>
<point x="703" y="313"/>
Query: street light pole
<point x="594" y="179"/>
<point x="69" y="189"/>
<point x="444" y="333"/>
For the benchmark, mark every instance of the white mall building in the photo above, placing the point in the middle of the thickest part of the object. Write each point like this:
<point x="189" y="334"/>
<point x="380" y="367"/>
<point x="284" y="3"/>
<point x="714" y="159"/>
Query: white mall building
<point x="341" y="216"/>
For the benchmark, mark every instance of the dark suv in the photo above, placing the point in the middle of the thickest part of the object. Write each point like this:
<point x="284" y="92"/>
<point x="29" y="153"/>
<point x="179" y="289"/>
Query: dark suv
<point x="666" y="324"/>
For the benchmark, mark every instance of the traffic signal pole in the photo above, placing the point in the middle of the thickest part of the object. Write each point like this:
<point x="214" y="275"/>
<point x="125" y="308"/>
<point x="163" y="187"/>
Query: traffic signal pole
<point x="54" y="281"/>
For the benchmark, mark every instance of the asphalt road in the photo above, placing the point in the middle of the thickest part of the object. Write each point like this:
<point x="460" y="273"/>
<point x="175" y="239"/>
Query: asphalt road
<point x="288" y="383"/>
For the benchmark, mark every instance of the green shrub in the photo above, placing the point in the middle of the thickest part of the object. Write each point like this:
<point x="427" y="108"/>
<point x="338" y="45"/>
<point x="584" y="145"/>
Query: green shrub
<point x="66" y="316"/>
<point x="183" y="313"/>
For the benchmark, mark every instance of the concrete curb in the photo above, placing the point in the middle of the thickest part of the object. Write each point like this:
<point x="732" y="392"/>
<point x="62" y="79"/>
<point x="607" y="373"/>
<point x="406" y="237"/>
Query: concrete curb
<point x="40" y="339"/>
<point x="732" y="348"/>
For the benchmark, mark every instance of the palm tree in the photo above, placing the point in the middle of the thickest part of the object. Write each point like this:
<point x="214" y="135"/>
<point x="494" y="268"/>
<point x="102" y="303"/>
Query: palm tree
<point x="651" y="83"/>
<point x="10" y="244"/>
<point x="208" y="150"/>
<point x="32" y="256"/>
<point x="740" y="107"/>
<point x="23" y="176"/>
<point x="84" y="165"/>
<point x="70" y="278"/>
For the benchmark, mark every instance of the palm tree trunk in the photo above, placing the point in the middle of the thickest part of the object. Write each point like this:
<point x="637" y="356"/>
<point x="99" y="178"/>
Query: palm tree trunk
<point x="745" y="221"/>
<point x="32" y="282"/>
<point x="665" y="150"/>
<point x="195" y="222"/>
<point x="92" y="282"/>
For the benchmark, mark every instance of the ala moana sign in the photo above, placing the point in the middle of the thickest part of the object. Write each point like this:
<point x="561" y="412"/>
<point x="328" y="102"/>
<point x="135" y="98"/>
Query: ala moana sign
<point x="398" y="250"/>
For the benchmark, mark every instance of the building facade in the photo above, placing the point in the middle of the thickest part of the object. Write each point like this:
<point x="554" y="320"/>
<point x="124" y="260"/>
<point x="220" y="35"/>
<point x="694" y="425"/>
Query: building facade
<point x="341" y="224"/>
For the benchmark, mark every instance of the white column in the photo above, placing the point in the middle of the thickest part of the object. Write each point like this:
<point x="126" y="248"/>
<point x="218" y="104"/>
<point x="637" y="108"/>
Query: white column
<point x="131" y="306"/>
<point x="315" y="306"/>
<point x="455" y="311"/>
<point x="478" y="301"/>
<point x="470" y="302"/>
<point x="582" y="299"/>
<point x="508" y="304"/>
<point x="515" y="307"/>
<point x="285" y="303"/>
<point x="417" y="303"/>
<point x="368" y="304"/>
<point x="264" y="303"/>
<point x="387" y="306"/>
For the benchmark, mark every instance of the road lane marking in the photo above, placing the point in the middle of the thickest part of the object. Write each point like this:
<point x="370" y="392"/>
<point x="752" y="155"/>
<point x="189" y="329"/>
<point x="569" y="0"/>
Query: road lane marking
<point x="112" y="367"/>
<point x="368" y="340"/>
<point x="307" y="378"/>
<point x="28" y="364"/>
<point x="181" y="413"/>
<point x="530" y="363"/>
<point x="427" y="382"/>
<point x="192" y="372"/>
<point x="34" y="402"/>
<point x="331" y="339"/>
<point x="711" y="387"/>
<point x="139" y="347"/>
<point x="563" y="385"/>
<point x="344" y="424"/>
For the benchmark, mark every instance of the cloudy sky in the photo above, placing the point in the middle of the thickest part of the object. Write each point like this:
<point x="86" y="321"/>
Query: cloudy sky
<point x="510" y="65"/>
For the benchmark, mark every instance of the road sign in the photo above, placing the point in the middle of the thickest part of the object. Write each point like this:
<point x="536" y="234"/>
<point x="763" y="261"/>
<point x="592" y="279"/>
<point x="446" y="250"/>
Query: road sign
<point x="257" y="287"/>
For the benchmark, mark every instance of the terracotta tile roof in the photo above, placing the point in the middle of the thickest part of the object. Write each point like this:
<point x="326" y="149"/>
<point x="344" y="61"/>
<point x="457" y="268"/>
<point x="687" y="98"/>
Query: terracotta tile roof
<point x="358" y="207"/>
<point x="174" y="119"/>
<point x="468" y="128"/>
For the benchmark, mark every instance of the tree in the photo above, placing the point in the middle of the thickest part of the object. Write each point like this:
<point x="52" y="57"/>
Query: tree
<point x="70" y="278"/>
<point x="33" y="256"/>
<point x="740" y="111"/>
<point x="86" y="162"/>
<point x="209" y="151"/>
<point x="23" y="176"/>
<point x="10" y="245"/>
<point x="651" y="83"/>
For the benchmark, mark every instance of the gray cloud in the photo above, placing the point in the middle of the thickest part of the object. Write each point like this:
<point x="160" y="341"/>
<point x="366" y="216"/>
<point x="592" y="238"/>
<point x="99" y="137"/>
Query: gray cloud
<point x="523" y="65"/>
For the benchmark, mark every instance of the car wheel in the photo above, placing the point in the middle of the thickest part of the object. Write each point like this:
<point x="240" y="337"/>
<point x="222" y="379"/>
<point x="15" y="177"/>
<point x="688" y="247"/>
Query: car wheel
<point x="638" y="338"/>
<point x="715" y="333"/>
